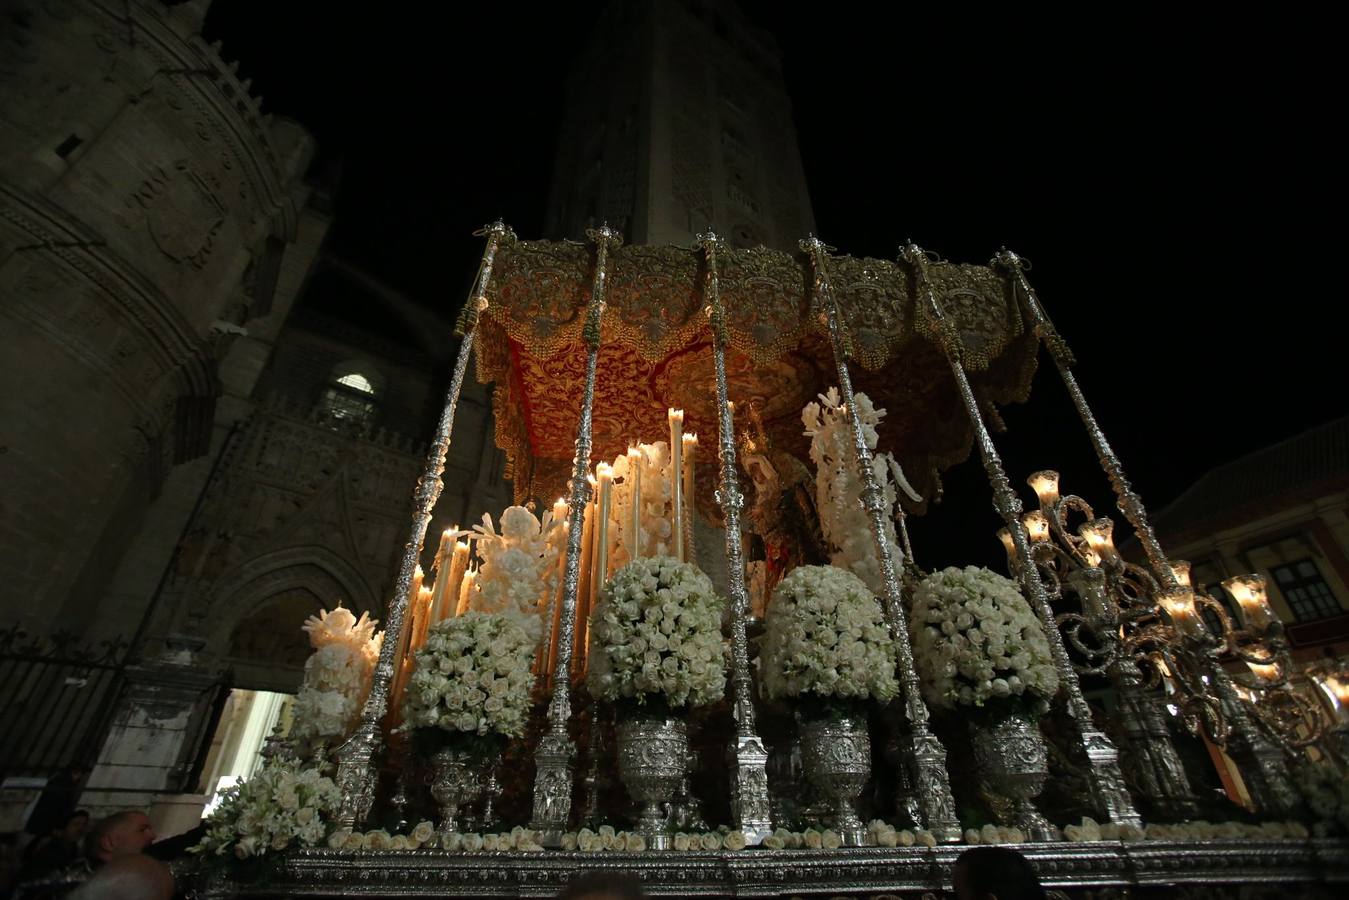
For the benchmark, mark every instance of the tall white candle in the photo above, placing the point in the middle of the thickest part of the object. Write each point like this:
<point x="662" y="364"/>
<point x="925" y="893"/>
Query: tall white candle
<point x="445" y="602"/>
<point x="635" y="461"/>
<point x="690" y="498"/>
<point x="676" y="417"/>
<point x="606" y="481"/>
<point x="466" y="591"/>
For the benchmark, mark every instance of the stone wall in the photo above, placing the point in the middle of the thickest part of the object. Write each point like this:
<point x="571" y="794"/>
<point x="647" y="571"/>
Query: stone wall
<point x="147" y="207"/>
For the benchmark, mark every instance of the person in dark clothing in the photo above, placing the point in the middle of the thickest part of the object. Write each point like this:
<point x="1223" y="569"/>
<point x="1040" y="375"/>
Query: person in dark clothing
<point x="57" y="802"/>
<point x="59" y="848"/>
<point x="995" y="873"/>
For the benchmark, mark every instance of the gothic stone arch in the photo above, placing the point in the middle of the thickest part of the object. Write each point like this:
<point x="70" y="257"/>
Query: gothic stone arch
<point x="267" y="593"/>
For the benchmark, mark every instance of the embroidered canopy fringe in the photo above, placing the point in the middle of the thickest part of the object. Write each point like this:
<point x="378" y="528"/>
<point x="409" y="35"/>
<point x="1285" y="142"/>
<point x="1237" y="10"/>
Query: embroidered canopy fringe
<point x="656" y="352"/>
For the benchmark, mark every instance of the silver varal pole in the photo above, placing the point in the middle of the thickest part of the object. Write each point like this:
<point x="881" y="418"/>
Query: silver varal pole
<point x="356" y="776"/>
<point x="1110" y="797"/>
<point x="1263" y="765"/>
<point x="749" y="784"/>
<point x="553" y="757"/>
<point x="925" y="752"/>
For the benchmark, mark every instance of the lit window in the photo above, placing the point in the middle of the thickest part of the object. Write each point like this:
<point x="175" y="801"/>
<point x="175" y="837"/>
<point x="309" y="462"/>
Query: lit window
<point x="1308" y="595"/>
<point x="349" y="401"/>
<point x="358" y="382"/>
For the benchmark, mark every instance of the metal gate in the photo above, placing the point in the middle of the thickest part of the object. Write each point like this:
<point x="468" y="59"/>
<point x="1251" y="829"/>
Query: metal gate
<point x="57" y="699"/>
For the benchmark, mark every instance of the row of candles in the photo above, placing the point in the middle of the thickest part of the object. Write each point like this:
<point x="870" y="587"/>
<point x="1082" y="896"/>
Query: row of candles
<point x="612" y="534"/>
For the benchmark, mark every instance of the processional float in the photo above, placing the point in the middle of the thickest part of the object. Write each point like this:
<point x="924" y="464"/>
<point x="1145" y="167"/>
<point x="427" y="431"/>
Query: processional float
<point x="557" y="324"/>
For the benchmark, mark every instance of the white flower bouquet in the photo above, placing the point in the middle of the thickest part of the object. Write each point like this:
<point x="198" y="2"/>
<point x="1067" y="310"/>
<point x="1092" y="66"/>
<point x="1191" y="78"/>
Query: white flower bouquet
<point x="336" y="677"/>
<point x="472" y="679"/>
<point x="280" y="806"/>
<point x="825" y="638"/>
<point x="976" y="642"/>
<point x="656" y="636"/>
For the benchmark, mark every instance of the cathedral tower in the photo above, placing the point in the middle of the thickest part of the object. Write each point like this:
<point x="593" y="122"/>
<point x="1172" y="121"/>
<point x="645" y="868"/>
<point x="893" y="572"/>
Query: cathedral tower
<point x="677" y="118"/>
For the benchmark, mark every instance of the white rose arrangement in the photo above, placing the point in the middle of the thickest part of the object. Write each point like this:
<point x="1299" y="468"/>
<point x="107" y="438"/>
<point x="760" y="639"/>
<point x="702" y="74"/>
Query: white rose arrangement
<point x="656" y="636"/>
<point x="336" y="677"/>
<point x="844" y="521"/>
<point x="472" y="678"/>
<point x="825" y="637"/>
<point x="976" y="642"/>
<point x="280" y="806"/>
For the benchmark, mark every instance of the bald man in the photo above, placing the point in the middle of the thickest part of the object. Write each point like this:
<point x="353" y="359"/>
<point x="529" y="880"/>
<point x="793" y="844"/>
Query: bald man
<point x="131" y="877"/>
<point x="120" y="834"/>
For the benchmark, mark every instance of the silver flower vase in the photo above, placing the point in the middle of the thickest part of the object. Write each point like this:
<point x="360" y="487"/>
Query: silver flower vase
<point x="653" y="752"/>
<point x="458" y="778"/>
<point x="1013" y="764"/>
<point x="837" y="757"/>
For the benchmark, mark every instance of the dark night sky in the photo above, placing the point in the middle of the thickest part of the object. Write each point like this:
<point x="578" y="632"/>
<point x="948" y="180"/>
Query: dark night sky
<point x="1170" y="178"/>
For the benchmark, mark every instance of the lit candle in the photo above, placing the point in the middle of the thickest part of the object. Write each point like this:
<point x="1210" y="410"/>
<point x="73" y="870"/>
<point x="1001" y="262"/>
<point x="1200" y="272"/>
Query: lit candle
<point x="1046" y="486"/>
<point x="1007" y="543"/>
<point x="1179" y="606"/>
<point x="1037" y="526"/>
<point x="1098" y="535"/>
<point x="606" y="485"/>
<point x="560" y="510"/>
<point x="442" y="560"/>
<point x="584" y="587"/>
<point x="1181" y="570"/>
<point x="448" y="582"/>
<point x="676" y="417"/>
<point x="417" y="578"/>
<point x="1337" y="689"/>
<point x="690" y="498"/>
<point x="1266" y="673"/>
<point x="635" y="460"/>
<point x="466" y="591"/>
<point x="1249" y="592"/>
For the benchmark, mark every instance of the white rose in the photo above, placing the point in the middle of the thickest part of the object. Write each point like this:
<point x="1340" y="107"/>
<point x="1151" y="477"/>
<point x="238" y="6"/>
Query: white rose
<point x="423" y="832"/>
<point x="735" y="840"/>
<point x="338" y="839"/>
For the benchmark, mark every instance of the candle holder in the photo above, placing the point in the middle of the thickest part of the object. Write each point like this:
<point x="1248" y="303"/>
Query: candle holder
<point x="1110" y="593"/>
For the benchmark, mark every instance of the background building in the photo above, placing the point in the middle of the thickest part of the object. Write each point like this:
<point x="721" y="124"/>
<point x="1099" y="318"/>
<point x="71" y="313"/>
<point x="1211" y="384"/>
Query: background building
<point x="1281" y="512"/>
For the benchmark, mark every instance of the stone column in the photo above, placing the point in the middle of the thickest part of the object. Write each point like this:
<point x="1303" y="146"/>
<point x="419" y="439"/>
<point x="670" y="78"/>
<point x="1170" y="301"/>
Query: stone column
<point x="157" y="731"/>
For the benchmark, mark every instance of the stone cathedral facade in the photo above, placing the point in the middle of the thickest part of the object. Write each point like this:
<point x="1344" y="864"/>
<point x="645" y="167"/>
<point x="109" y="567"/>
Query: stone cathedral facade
<point x="199" y="461"/>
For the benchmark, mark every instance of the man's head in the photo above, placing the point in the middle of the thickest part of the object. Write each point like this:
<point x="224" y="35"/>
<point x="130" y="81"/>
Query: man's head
<point x="134" y="877"/>
<point x="120" y="834"/>
<point x="603" y="886"/>
<point x="995" y="873"/>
